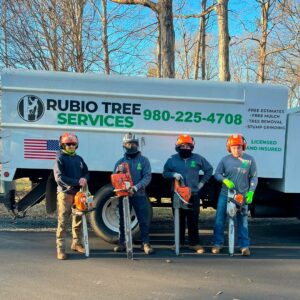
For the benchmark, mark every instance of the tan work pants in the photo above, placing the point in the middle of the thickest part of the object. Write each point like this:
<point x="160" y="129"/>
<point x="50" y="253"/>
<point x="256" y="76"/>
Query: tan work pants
<point x="64" y="210"/>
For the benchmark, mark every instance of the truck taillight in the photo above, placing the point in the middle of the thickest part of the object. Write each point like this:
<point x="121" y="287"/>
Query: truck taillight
<point x="6" y="174"/>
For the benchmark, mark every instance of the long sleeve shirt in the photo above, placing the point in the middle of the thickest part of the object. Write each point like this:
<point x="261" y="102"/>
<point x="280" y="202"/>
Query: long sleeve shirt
<point x="242" y="171"/>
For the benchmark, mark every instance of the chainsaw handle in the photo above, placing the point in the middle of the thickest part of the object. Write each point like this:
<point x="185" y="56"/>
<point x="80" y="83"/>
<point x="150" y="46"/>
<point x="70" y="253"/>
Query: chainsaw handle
<point x="179" y="183"/>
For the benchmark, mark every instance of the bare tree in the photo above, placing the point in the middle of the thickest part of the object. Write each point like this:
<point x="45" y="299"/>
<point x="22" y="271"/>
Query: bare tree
<point x="73" y="9"/>
<point x="288" y="40"/>
<point x="104" y="21"/>
<point x="201" y="41"/>
<point x="265" y="12"/>
<point x="48" y="34"/>
<point x="164" y="14"/>
<point x="3" y="25"/>
<point x="222" y="11"/>
<point x="198" y="43"/>
<point x="267" y="27"/>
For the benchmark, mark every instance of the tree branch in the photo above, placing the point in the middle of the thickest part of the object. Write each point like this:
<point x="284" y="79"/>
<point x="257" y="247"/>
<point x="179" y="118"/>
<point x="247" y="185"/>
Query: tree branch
<point x="279" y="50"/>
<point x="202" y="14"/>
<point x="147" y="3"/>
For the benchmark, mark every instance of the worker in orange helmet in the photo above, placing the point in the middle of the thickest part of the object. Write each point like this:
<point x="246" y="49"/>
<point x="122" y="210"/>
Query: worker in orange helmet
<point x="186" y="165"/>
<point x="235" y="171"/>
<point x="70" y="173"/>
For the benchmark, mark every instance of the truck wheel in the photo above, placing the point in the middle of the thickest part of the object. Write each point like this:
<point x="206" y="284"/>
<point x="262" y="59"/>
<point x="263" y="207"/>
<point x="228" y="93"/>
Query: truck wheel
<point x="105" y="218"/>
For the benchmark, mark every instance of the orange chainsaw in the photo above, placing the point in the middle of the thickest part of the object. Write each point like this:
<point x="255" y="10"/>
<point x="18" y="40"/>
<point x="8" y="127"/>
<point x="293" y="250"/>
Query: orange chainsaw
<point x="182" y="192"/>
<point x="122" y="182"/>
<point x="182" y="196"/>
<point x="83" y="204"/>
<point x="83" y="200"/>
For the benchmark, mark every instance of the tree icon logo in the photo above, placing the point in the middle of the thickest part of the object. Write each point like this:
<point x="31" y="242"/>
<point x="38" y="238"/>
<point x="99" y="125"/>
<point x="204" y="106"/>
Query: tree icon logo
<point x="30" y="108"/>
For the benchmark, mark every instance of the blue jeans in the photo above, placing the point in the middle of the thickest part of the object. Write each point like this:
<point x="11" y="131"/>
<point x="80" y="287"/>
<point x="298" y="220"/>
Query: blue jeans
<point x="140" y="205"/>
<point x="241" y="220"/>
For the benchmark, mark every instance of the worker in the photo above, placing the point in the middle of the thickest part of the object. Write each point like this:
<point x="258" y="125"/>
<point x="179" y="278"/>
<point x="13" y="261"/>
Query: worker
<point x="186" y="165"/>
<point x="235" y="171"/>
<point x="71" y="174"/>
<point x="140" y="170"/>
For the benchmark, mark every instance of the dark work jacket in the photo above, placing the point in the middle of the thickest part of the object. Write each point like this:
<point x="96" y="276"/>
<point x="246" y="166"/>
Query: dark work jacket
<point x="140" y="171"/>
<point x="68" y="170"/>
<point x="189" y="168"/>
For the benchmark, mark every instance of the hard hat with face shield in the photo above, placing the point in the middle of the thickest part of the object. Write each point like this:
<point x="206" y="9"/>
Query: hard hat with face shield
<point x="130" y="144"/>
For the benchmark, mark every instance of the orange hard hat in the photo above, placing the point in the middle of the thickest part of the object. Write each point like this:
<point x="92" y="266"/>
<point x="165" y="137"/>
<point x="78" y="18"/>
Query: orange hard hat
<point x="185" y="139"/>
<point x="68" y="138"/>
<point x="236" y="140"/>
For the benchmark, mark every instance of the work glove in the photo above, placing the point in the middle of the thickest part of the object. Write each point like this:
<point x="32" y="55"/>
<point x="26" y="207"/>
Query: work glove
<point x="82" y="182"/>
<point x="132" y="190"/>
<point x="229" y="184"/>
<point x="200" y="185"/>
<point x="249" y="197"/>
<point x="177" y="176"/>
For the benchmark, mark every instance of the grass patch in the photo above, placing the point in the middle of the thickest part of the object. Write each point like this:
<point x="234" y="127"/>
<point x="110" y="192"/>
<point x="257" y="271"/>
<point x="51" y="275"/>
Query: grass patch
<point x="23" y="185"/>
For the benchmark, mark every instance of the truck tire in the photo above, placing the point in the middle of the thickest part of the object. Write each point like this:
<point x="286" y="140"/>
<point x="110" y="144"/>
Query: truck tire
<point x="105" y="218"/>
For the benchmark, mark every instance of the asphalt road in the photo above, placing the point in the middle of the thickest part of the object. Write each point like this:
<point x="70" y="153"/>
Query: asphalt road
<point x="29" y="269"/>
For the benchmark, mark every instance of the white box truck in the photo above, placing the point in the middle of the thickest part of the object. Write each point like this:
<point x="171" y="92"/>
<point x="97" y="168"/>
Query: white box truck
<point x="38" y="106"/>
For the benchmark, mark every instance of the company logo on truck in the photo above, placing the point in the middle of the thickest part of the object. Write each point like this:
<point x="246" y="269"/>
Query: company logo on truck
<point x="30" y="108"/>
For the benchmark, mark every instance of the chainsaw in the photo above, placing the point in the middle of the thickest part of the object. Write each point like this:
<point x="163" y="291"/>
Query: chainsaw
<point x="235" y="203"/>
<point x="182" y="195"/>
<point x="83" y="204"/>
<point x="122" y="182"/>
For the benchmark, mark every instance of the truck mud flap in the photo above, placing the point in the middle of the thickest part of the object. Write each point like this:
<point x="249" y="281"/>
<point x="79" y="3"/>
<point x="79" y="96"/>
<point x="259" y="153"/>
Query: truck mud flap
<point x="51" y="194"/>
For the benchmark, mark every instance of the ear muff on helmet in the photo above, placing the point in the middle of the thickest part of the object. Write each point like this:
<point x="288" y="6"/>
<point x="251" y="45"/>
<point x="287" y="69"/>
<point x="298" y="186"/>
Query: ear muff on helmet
<point x="185" y="139"/>
<point x="236" y="140"/>
<point x="68" y="138"/>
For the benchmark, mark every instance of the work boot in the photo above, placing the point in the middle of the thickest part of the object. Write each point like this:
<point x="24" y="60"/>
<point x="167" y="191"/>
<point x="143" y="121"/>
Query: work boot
<point x="198" y="249"/>
<point x="147" y="248"/>
<point x="216" y="249"/>
<point x="77" y="247"/>
<point x="120" y="248"/>
<point x="245" y="251"/>
<point x="61" y="255"/>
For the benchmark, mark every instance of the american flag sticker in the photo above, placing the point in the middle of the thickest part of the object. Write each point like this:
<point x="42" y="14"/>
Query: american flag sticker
<point x="40" y="149"/>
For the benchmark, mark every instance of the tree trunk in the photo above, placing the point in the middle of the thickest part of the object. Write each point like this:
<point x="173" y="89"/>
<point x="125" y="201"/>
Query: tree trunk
<point x="104" y="37"/>
<point x="75" y="11"/>
<point x="265" y="6"/>
<point x="53" y="36"/>
<point x="201" y="45"/>
<point x="158" y="49"/>
<point x="4" y="20"/>
<point x="165" y="15"/>
<point x="222" y="10"/>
